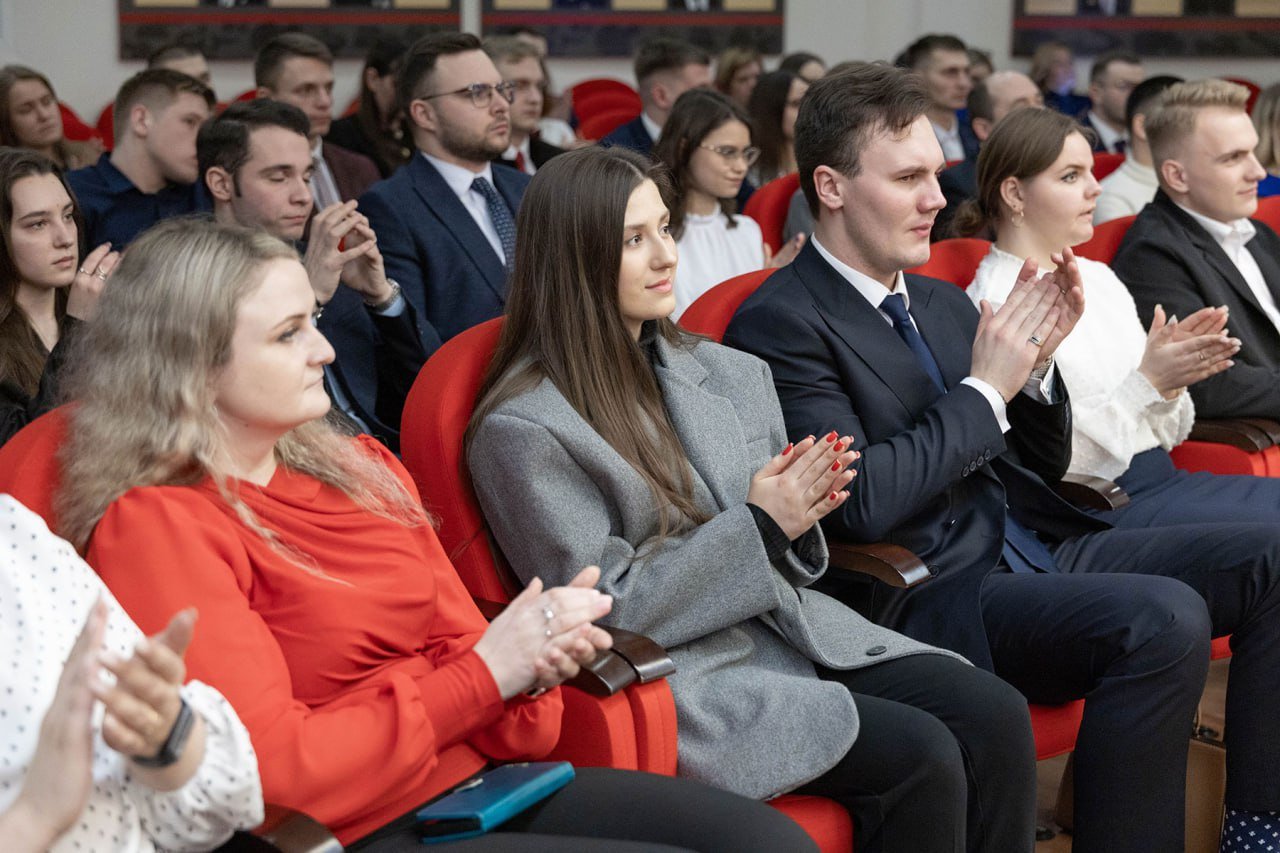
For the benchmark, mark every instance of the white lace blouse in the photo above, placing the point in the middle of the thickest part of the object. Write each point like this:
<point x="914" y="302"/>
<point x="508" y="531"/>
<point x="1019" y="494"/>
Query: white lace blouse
<point x="46" y="592"/>
<point x="1116" y="412"/>
<point x="711" y="251"/>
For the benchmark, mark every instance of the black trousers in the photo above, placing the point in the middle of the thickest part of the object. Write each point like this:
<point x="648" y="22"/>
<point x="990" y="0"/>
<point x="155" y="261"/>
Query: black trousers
<point x="944" y="759"/>
<point x="622" y="811"/>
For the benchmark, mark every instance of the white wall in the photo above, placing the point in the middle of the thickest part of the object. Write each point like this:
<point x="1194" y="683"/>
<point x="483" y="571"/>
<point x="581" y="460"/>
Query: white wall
<point x="75" y="43"/>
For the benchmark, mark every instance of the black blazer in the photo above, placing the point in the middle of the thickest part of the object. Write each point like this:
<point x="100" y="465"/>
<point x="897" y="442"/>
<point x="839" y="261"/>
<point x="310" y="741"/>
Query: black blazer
<point x="436" y="251"/>
<point x="1168" y="259"/>
<point x="630" y="135"/>
<point x="936" y="472"/>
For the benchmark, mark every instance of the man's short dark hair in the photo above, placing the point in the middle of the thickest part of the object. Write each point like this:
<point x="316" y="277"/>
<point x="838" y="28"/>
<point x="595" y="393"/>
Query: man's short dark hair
<point x="153" y="86"/>
<point x="420" y="62"/>
<point x="172" y="50"/>
<point x="916" y="53"/>
<point x="1144" y="96"/>
<point x="979" y="103"/>
<point x="1103" y="62"/>
<point x="273" y="55"/>
<point x="224" y="141"/>
<point x="666" y="54"/>
<point x="842" y="112"/>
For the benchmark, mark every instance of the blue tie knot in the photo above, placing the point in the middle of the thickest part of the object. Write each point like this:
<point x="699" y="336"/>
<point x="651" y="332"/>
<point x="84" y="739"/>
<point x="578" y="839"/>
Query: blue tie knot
<point x="895" y="305"/>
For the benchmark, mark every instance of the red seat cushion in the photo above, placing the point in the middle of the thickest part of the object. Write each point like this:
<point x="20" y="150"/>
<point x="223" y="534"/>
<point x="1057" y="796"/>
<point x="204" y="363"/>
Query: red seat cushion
<point x="1055" y="727"/>
<point x="826" y="821"/>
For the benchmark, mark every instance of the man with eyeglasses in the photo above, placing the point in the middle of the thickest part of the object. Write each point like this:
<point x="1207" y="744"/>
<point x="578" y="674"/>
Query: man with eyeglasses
<point x="520" y="64"/>
<point x="446" y="220"/>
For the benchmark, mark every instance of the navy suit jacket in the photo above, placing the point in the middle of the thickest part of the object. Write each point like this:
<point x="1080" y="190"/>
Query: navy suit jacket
<point x="969" y="140"/>
<point x="936" y="472"/>
<point x="436" y="252"/>
<point x="1168" y="259"/>
<point x="631" y="135"/>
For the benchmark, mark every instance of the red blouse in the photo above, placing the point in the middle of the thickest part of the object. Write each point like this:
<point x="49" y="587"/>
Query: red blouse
<point x="355" y="679"/>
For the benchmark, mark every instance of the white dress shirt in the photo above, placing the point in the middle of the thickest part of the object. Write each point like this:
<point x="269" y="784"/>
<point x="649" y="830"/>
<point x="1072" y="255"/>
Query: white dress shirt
<point x="651" y="127"/>
<point x="324" y="189"/>
<point x="711" y="252"/>
<point x="874" y="292"/>
<point x="46" y="592"/>
<point x="1234" y="237"/>
<point x="1116" y="413"/>
<point x="1126" y="191"/>
<point x="459" y="179"/>
<point x="526" y="150"/>
<point x="952" y="146"/>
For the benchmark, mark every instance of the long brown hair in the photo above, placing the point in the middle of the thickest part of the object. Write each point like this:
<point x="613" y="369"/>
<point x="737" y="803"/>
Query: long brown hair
<point x="767" y="106"/>
<point x="1022" y="145"/>
<point x="9" y="75"/>
<point x="22" y="354"/>
<point x="696" y="115"/>
<point x="564" y="322"/>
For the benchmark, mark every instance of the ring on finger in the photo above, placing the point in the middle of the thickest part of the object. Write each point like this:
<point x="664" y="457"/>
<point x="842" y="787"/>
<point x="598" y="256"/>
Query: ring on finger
<point x="84" y="271"/>
<point x="548" y="614"/>
<point x="101" y="274"/>
<point x="1035" y="341"/>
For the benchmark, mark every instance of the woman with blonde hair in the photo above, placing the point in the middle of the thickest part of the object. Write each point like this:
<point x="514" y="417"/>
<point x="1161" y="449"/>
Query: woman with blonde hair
<point x="737" y="70"/>
<point x="30" y="118"/>
<point x="46" y="293"/>
<point x="330" y="616"/>
<point x="1266" y="120"/>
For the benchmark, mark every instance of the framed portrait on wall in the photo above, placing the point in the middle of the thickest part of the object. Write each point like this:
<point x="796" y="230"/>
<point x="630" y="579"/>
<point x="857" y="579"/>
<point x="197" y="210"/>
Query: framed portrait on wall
<point x="1208" y="28"/>
<point x="587" y="28"/>
<point x="235" y="29"/>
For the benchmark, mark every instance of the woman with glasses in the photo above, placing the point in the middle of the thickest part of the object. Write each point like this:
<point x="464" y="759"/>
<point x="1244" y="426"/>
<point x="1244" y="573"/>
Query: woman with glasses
<point x="706" y="145"/>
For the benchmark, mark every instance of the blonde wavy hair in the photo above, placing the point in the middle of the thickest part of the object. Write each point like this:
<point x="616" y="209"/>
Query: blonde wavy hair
<point x="143" y="376"/>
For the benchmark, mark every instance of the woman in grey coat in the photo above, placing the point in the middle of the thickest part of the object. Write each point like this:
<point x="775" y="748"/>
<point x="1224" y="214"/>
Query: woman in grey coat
<point x="605" y="435"/>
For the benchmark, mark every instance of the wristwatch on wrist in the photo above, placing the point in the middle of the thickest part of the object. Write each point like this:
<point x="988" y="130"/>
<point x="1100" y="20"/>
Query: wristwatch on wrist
<point x="171" y="749"/>
<point x="378" y="307"/>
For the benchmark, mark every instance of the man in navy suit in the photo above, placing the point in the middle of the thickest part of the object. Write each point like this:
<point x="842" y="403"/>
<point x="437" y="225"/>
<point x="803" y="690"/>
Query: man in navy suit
<point x="1111" y="79"/>
<point x="446" y="219"/>
<point x="665" y="69"/>
<point x="255" y="161"/>
<point x="961" y="421"/>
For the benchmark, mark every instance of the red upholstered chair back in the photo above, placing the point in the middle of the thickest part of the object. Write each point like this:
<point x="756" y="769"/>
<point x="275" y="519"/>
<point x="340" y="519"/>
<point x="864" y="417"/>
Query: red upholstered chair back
<point x="608" y="100"/>
<point x="603" y="123"/>
<point x="1104" y="164"/>
<point x="73" y="127"/>
<point x="29" y="467"/>
<point x="954" y="260"/>
<point x="1269" y="212"/>
<point x="768" y="207"/>
<point x="1106" y="240"/>
<point x="586" y="89"/>
<point x="711" y="312"/>
<point x="435" y="418"/>
<point x="1254" y="90"/>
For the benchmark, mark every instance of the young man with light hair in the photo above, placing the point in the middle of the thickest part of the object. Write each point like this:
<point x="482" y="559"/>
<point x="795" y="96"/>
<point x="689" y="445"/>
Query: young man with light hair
<point x="151" y="172"/>
<point x="1195" y="245"/>
<point x="665" y="69"/>
<point x="519" y="63"/>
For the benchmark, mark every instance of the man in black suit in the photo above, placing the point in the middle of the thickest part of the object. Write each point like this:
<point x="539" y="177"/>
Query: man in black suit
<point x="520" y="64"/>
<point x="255" y="161"/>
<point x="1111" y="78"/>
<point x="1195" y="245"/>
<point x="665" y="69"/>
<point x="961" y="420"/>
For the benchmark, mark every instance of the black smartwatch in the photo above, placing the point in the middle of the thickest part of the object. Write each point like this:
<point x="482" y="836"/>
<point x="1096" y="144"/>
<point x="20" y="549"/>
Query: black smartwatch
<point x="171" y="749"/>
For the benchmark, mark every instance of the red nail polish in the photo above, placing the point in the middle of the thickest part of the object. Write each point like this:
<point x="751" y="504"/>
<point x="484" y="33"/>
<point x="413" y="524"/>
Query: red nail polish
<point x="831" y="436"/>
<point x="835" y="466"/>
<point x="786" y="449"/>
<point x="839" y="447"/>
<point x="831" y="496"/>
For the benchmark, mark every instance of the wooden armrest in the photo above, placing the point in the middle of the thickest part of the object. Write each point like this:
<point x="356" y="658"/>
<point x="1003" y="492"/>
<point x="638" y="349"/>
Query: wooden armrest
<point x="1249" y="434"/>
<point x="889" y="564"/>
<point x="1091" y="492"/>
<point x="286" y="830"/>
<point x="633" y="658"/>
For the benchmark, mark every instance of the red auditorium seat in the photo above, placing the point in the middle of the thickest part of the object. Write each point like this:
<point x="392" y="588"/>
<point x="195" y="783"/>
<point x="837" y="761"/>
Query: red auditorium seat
<point x="1104" y="164"/>
<point x="602" y="124"/>
<point x="1106" y="239"/>
<point x="955" y="260"/>
<point x="768" y="207"/>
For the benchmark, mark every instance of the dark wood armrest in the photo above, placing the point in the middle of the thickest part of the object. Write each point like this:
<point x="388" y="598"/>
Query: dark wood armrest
<point x="633" y="658"/>
<point x="1091" y="492"/>
<point x="285" y="830"/>
<point x="1244" y="434"/>
<point x="889" y="564"/>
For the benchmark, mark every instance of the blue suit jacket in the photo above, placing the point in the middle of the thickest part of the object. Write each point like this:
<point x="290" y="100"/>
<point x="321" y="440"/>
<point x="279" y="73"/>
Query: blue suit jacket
<point x="433" y="248"/>
<point x="936" y="472"/>
<point x="630" y="135"/>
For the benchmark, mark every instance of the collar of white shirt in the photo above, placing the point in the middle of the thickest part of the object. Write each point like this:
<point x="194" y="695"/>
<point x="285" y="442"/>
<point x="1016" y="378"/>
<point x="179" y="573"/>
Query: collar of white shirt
<point x="872" y="291"/>
<point x="654" y="129"/>
<point x="523" y="148"/>
<point x="459" y="178"/>
<point x="1228" y="235"/>
<point x="1106" y="135"/>
<point x="317" y="150"/>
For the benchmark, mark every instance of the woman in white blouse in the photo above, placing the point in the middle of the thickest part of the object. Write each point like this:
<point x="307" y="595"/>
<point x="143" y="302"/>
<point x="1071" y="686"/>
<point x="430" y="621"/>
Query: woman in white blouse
<point x="1128" y="387"/>
<point x="706" y="145"/>
<point x="161" y="765"/>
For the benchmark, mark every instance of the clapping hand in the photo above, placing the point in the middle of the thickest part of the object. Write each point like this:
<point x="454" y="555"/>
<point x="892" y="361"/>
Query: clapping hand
<point x="1010" y="341"/>
<point x="804" y="482"/>
<point x="1066" y="278"/>
<point x="1179" y="354"/>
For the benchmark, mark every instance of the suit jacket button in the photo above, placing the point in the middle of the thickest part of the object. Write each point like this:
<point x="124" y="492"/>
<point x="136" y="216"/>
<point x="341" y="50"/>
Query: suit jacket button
<point x="933" y="571"/>
<point x="951" y="522"/>
<point x="986" y="456"/>
<point x="876" y="650"/>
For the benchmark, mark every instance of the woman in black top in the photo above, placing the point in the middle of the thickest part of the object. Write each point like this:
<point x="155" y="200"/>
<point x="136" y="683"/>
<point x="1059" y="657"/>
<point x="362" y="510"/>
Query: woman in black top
<point x="376" y="128"/>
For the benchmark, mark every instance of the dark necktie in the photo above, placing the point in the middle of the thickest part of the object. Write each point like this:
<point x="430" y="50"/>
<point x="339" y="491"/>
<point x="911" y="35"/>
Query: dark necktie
<point x="503" y="222"/>
<point x="520" y="162"/>
<point x="1121" y="145"/>
<point x="896" y="307"/>
<point x="1022" y="551"/>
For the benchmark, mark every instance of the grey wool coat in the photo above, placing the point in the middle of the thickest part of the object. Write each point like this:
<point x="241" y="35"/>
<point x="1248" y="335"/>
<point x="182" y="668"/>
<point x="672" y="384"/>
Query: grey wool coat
<point x="744" y="634"/>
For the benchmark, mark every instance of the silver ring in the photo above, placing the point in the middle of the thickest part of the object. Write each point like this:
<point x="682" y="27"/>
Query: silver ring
<point x="102" y="275"/>
<point x="1034" y="340"/>
<point x="548" y="613"/>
